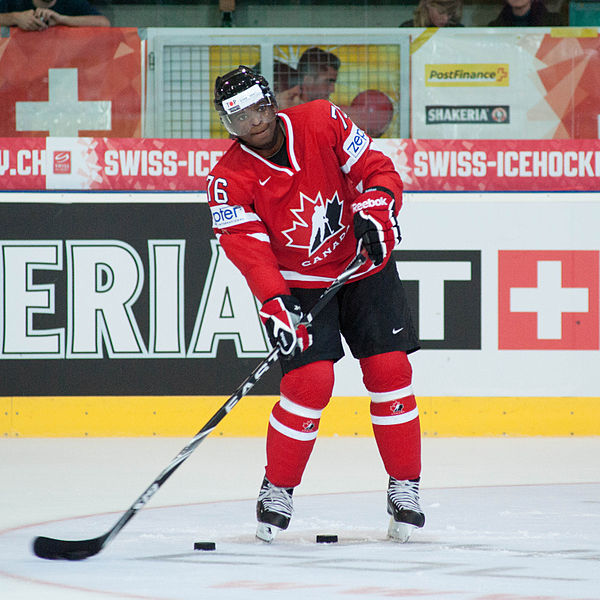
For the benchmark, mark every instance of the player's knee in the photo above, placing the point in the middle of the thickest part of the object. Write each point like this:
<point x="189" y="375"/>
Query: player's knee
<point x="388" y="371"/>
<point x="310" y="385"/>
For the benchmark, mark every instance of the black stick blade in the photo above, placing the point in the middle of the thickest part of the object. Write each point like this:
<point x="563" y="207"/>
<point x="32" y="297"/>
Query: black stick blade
<point x="52" y="549"/>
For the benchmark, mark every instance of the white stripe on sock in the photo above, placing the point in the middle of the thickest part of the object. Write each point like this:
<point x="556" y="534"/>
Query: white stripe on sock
<point x="396" y="419"/>
<point x="393" y="395"/>
<point x="292" y="433"/>
<point x="298" y="409"/>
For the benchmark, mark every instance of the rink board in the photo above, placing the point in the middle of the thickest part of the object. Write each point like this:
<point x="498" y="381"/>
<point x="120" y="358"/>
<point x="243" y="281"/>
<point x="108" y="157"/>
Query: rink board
<point x="503" y="287"/>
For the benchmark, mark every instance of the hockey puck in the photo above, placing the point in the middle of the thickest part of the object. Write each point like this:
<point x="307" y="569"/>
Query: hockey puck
<point x="205" y="546"/>
<point x="327" y="539"/>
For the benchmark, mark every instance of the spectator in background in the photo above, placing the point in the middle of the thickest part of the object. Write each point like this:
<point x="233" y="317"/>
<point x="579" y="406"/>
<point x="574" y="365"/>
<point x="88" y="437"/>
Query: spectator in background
<point x="315" y="79"/>
<point x="285" y="79"/>
<point x="38" y="15"/>
<point x="437" y="13"/>
<point x="526" y="13"/>
<point x="316" y="76"/>
<point x="285" y="83"/>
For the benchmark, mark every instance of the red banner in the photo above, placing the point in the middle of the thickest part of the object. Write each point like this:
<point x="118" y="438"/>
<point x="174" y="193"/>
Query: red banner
<point x="496" y="165"/>
<point x="128" y="164"/>
<point x="66" y="82"/>
<point x="182" y="165"/>
<point x="570" y="80"/>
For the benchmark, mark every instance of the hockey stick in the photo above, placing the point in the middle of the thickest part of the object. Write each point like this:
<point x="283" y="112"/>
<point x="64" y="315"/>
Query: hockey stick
<point x="52" y="548"/>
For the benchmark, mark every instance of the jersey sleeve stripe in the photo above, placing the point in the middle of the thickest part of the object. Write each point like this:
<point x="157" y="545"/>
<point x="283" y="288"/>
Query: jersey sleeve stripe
<point x="227" y="215"/>
<point x="294" y="276"/>
<point x="261" y="237"/>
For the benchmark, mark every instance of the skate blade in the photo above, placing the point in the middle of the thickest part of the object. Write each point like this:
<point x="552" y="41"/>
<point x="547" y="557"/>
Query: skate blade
<point x="266" y="532"/>
<point x="400" y="532"/>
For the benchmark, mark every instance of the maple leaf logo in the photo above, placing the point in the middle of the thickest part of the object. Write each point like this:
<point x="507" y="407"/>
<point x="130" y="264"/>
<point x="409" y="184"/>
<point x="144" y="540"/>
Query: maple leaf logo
<point x="315" y="222"/>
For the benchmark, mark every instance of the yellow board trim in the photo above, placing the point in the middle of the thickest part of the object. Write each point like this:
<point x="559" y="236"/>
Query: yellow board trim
<point x="175" y="416"/>
<point x="574" y="32"/>
<point x="422" y="39"/>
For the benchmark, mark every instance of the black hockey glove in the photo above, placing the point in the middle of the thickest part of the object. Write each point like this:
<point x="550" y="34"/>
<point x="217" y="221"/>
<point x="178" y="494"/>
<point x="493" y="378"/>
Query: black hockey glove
<point x="280" y="316"/>
<point x="375" y="224"/>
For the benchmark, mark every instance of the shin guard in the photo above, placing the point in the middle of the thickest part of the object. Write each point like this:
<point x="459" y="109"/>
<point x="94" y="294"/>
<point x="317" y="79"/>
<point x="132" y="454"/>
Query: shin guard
<point x="294" y="421"/>
<point x="394" y="413"/>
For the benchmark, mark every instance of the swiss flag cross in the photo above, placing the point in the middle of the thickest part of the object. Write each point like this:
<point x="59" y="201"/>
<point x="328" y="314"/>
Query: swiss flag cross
<point x="71" y="82"/>
<point x="548" y="300"/>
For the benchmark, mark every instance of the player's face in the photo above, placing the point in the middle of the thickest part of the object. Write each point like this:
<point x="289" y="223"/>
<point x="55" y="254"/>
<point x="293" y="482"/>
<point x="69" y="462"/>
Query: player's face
<point x="252" y="120"/>
<point x="320" y="86"/>
<point x="256" y="125"/>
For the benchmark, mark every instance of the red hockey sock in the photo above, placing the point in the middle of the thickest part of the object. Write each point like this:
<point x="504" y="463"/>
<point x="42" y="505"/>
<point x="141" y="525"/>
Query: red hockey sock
<point x="394" y="413"/>
<point x="294" y="421"/>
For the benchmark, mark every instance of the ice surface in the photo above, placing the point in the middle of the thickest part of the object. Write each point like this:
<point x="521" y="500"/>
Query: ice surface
<point x="481" y="541"/>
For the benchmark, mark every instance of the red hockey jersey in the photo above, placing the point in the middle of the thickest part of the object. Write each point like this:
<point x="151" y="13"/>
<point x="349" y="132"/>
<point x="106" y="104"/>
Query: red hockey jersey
<point x="292" y="227"/>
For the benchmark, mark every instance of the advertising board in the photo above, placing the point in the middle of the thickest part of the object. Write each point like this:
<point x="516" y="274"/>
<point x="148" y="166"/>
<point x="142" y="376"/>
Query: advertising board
<point x="502" y="283"/>
<point x="501" y="84"/>
<point x="125" y="299"/>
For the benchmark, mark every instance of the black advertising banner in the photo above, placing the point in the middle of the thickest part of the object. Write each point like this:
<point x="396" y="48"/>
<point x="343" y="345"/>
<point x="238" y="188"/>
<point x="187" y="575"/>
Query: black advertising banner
<point x="117" y="299"/>
<point x="138" y="298"/>
<point x="444" y="291"/>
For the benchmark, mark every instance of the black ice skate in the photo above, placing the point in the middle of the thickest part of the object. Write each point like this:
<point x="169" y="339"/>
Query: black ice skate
<point x="403" y="505"/>
<point x="273" y="510"/>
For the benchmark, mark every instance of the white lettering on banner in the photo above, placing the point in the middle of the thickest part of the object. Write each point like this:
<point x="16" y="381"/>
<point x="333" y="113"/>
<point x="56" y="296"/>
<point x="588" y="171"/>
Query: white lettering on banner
<point x="549" y="300"/>
<point x="510" y="163"/>
<point x="63" y="114"/>
<point x="423" y="164"/>
<point x="166" y="331"/>
<point x="134" y="163"/>
<point x="172" y="159"/>
<point x="446" y="163"/>
<point x="432" y="277"/>
<point x="21" y="299"/>
<point x="455" y="114"/>
<point x="223" y="312"/>
<point x="201" y="162"/>
<point x="527" y="163"/>
<point x="104" y="280"/>
<point x="31" y="162"/>
<point x="4" y="161"/>
<point x="100" y="310"/>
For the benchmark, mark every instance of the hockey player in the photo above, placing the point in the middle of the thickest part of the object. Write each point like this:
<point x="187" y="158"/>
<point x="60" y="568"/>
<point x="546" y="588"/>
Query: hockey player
<point x="292" y="201"/>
